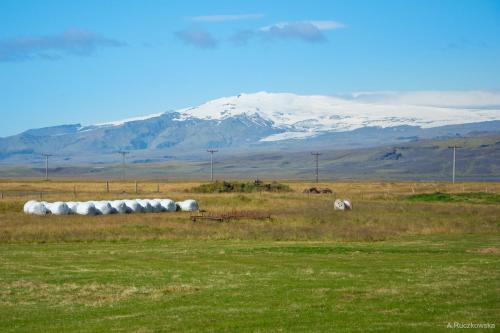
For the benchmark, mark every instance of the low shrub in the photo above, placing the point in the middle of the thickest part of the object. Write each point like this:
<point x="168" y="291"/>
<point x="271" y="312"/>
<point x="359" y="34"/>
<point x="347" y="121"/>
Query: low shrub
<point x="240" y="187"/>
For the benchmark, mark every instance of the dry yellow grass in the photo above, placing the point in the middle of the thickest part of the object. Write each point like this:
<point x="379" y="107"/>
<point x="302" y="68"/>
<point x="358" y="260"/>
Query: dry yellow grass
<point x="380" y="212"/>
<point x="66" y="189"/>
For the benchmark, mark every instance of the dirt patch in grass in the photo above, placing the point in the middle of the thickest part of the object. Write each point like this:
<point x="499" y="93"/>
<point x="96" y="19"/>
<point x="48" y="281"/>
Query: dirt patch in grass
<point x="492" y="250"/>
<point x="90" y="294"/>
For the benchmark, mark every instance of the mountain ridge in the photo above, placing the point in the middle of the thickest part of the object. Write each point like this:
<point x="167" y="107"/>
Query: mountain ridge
<point x="259" y="121"/>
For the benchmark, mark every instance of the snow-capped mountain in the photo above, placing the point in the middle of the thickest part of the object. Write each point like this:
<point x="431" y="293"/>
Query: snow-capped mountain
<point x="301" y="116"/>
<point x="260" y="120"/>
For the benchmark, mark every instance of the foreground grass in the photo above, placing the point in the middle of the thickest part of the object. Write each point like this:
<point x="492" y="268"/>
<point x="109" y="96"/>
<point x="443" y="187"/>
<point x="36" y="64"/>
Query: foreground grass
<point x="412" y="285"/>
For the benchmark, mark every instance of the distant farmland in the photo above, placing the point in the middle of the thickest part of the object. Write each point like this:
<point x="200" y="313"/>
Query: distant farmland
<point x="478" y="160"/>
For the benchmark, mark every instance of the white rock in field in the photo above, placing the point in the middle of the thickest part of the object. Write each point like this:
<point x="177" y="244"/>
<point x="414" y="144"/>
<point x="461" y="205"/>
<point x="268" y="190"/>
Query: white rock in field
<point x="27" y="206"/>
<point x="133" y="206"/>
<point x="168" y="205"/>
<point x="188" y="205"/>
<point x="103" y="207"/>
<point x="72" y="206"/>
<point x="146" y="206"/>
<point x="156" y="204"/>
<point x="58" y="208"/>
<point x="120" y="207"/>
<point x="86" y="208"/>
<point x="38" y="208"/>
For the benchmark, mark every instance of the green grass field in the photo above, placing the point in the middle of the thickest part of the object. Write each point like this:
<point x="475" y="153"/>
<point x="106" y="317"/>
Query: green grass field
<point x="391" y="264"/>
<point x="474" y="197"/>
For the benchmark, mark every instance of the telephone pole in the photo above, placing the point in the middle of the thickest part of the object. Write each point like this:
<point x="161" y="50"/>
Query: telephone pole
<point x="46" y="165"/>
<point x="316" y="157"/>
<point x="212" y="151"/>
<point x="123" y="153"/>
<point x="455" y="147"/>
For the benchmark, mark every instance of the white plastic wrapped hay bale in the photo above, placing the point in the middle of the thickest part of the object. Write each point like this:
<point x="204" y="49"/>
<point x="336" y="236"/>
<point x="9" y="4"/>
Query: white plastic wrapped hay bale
<point x="86" y="208"/>
<point x="133" y="206"/>
<point x="119" y="206"/>
<point x="168" y="205"/>
<point x="339" y="204"/>
<point x="347" y="204"/>
<point x="103" y="207"/>
<point x="146" y="206"/>
<point x="72" y="206"/>
<point x="188" y="205"/>
<point x="156" y="205"/>
<point x="58" y="208"/>
<point x="38" y="208"/>
<point x="27" y="206"/>
<point x="342" y="204"/>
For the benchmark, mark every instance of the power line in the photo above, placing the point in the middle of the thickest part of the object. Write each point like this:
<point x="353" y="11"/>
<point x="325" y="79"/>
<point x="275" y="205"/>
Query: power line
<point x="212" y="151"/>
<point x="46" y="165"/>
<point x="123" y="153"/>
<point x="316" y="157"/>
<point x="455" y="147"/>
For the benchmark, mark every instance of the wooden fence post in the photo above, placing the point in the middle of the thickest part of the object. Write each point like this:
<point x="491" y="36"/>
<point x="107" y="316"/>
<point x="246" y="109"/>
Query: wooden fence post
<point x="157" y="188"/>
<point x="107" y="186"/>
<point x="136" y="186"/>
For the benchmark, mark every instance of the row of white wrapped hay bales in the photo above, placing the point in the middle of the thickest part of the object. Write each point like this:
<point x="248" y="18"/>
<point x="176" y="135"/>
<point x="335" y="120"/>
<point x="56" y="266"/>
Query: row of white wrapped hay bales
<point x="109" y="207"/>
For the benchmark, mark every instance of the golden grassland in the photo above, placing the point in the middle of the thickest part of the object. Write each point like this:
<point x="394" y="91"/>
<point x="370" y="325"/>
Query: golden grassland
<point x="381" y="211"/>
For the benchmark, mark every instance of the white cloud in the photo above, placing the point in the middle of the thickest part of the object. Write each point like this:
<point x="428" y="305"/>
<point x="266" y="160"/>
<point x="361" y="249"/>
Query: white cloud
<point x="327" y="25"/>
<point x="74" y="41"/>
<point x="320" y="25"/>
<point x="308" y="31"/>
<point x="197" y="37"/>
<point x="474" y="99"/>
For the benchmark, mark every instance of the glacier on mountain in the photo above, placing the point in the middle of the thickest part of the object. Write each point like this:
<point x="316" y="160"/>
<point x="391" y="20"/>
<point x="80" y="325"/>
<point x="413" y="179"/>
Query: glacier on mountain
<point x="304" y="116"/>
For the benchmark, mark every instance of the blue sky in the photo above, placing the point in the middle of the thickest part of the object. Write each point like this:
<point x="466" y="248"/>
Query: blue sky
<point x="95" y="61"/>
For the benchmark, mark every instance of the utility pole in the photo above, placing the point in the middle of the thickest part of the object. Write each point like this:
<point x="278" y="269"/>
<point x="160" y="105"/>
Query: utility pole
<point x="123" y="153"/>
<point x="454" y="160"/>
<point x="212" y="151"/>
<point x="316" y="157"/>
<point x="46" y="165"/>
